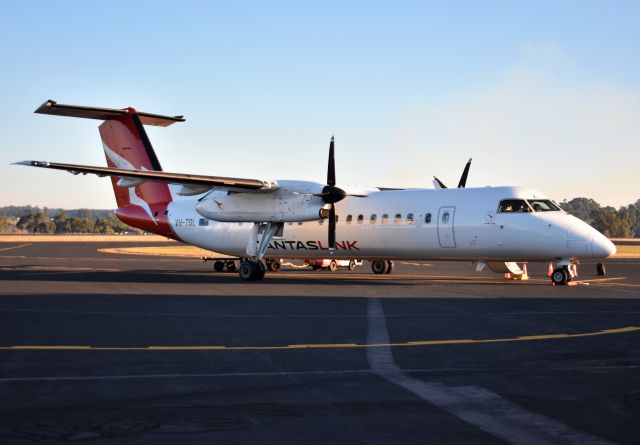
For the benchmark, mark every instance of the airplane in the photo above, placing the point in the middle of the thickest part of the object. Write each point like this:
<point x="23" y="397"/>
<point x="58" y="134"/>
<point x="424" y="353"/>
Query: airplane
<point x="260" y="220"/>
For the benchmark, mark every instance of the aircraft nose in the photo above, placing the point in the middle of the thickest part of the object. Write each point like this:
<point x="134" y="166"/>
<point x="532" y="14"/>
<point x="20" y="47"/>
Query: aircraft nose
<point x="602" y="247"/>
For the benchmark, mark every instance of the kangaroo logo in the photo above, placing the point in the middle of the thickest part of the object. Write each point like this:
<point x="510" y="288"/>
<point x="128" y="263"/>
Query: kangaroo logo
<point x="121" y="162"/>
<point x="218" y="203"/>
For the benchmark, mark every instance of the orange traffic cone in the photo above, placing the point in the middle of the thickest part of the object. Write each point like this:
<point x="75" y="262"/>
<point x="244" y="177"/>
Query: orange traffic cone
<point x="525" y="273"/>
<point x="550" y="270"/>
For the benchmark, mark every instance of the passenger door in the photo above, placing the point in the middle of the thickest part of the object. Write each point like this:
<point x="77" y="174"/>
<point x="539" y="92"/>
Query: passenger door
<point x="446" y="236"/>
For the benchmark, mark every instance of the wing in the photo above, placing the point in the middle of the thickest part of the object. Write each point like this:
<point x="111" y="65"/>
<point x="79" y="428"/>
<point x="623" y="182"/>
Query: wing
<point x="192" y="184"/>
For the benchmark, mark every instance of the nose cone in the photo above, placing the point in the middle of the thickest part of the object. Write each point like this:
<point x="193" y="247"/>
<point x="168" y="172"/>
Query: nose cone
<point x="602" y="247"/>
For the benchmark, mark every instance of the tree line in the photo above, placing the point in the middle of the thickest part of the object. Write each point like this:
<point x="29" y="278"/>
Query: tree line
<point x="62" y="223"/>
<point x="621" y="223"/>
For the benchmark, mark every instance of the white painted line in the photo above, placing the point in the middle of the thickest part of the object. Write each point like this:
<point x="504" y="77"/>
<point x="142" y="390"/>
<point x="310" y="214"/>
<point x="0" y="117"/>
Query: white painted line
<point x="15" y="247"/>
<point x="475" y="405"/>
<point x="183" y="376"/>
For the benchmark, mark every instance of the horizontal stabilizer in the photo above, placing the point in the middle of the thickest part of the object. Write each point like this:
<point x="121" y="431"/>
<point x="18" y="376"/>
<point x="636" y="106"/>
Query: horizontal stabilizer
<point x="54" y="108"/>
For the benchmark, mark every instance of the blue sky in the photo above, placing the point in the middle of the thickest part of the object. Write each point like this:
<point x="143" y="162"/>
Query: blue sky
<point x="540" y="94"/>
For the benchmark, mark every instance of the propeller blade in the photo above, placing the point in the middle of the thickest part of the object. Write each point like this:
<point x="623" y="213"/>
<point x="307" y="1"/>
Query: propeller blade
<point x="332" y="228"/>
<point x="439" y="183"/>
<point x="331" y="169"/>
<point x="465" y="173"/>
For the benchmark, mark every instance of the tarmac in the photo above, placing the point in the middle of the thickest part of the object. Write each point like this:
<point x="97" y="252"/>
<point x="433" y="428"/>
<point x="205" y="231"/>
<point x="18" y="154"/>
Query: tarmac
<point x="129" y="349"/>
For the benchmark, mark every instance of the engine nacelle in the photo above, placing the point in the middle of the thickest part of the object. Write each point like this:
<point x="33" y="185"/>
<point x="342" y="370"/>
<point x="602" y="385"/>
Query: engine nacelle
<point x="279" y="206"/>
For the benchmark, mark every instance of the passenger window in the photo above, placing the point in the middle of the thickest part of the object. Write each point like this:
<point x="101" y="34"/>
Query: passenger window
<point x="373" y="219"/>
<point x="410" y="218"/>
<point x="337" y="219"/>
<point x="385" y="218"/>
<point x="321" y="222"/>
<point x="427" y="218"/>
<point x="360" y="219"/>
<point x="445" y="217"/>
<point x="543" y="205"/>
<point x="299" y="223"/>
<point x="349" y="219"/>
<point x="397" y="219"/>
<point x="513" y="206"/>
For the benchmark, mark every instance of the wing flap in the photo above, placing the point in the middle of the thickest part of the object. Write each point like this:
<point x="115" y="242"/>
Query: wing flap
<point x="136" y="176"/>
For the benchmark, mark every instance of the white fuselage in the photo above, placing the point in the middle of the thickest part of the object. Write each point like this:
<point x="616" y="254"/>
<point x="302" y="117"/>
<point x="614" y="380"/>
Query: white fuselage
<point x="421" y="224"/>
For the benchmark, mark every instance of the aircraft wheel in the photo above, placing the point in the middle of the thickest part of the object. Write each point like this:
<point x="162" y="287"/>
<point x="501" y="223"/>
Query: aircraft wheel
<point x="231" y="266"/>
<point x="274" y="265"/>
<point x="390" y="266"/>
<point x="379" y="267"/>
<point x="333" y="266"/>
<point x="218" y="266"/>
<point x="246" y="270"/>
<point x="259" y="270"/>
<point x="352" y="265"/>
<point x="602" y="271"/>
<point x="560" y="276"/>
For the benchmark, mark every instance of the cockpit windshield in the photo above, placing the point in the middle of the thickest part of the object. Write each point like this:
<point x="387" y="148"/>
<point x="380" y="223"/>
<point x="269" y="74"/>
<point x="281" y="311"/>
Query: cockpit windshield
<point x="529" y="205"/>
<point x="513" y="205"/>
<point x="543" y="205"/>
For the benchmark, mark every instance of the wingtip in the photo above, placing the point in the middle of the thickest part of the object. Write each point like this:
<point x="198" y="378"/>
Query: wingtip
<point x="32" y="163"/>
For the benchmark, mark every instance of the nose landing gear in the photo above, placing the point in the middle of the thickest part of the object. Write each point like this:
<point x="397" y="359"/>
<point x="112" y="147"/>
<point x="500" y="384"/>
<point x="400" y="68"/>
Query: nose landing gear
<point x="561" y="276"/>
<point x="565" y="271"/>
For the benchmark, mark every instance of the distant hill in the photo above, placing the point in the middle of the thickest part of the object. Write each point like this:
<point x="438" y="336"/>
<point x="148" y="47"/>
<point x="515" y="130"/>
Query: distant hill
<point x="18" y="211"/>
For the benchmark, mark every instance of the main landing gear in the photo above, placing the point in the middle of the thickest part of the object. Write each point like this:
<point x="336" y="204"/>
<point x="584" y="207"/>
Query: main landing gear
<point x="252" y="268"/>
<point x="380" y="267"/>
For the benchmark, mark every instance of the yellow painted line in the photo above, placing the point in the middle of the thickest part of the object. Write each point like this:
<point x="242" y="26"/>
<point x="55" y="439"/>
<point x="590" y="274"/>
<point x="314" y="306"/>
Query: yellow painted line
<point x="50" y="347"/>
<point x="172" y="251"/>
<point x="328" y="345"/>
<point x="603" y="280"/>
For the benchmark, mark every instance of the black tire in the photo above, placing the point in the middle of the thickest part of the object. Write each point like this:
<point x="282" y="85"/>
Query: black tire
<point x="352" y="265"/>
<point x="379" y="267"/>
<point x="602" y="271"/>
<point x="314" y="267"/>
<point x="274" y="265"/>
<point x="231" y="266"/>
<point x="258" y="270"/>
<point x="333" y="266"/>
<point x="246" y="270"/>
<point x="390" y="266"/>
<point x="560" y="276"/>
<point x="218" y="266"/>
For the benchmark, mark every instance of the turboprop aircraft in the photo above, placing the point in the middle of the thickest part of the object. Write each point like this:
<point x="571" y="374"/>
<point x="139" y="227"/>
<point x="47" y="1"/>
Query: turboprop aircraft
<point x="259" y="219"/>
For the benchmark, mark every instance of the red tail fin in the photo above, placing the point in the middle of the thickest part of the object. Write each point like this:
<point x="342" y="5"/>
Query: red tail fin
<point x="126" y="145"/>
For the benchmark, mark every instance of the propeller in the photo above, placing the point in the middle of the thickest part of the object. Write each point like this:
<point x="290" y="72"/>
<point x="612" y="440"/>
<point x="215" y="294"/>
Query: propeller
<point x="332" y="194"/>
<point x="463" y="179"/>
<point x="465" y="173"/>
